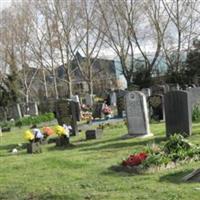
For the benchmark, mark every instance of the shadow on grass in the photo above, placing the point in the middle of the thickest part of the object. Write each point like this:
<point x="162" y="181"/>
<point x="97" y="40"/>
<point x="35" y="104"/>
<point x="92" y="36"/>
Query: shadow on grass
<point x="156" y="140"/>
<point x="86" y="144"/>
<point x="175" y="177"/>
<point x="9" y="154"/>
<point x="111" y="172"/>
<point x="54" y="148"/>
<point x="9" y="147"/>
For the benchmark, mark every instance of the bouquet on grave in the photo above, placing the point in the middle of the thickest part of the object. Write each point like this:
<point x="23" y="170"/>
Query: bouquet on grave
<point x="107" y="110"/>
<point x="28" y="135"/>
<point x="47" y="131"/>
<point x="135" y="159"/>
<point x="61" y="131"/>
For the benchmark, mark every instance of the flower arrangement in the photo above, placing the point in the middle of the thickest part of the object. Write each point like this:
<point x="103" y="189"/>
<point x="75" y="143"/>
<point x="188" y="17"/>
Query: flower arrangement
<point x="61" y="131"/>
<point x="28" y="135"/>
<point x="107" y="110"/>
<point x="47" y="131"/>
<point x="86" y="116"/>
<point x="135" y="159"/>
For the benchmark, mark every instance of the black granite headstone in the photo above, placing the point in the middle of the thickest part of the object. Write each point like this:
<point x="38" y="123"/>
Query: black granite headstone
<point x="66" y="114"/>
<point x="178" y="113"/>
<point x="93" y="134"/>
<point x="97" y="110"/>
<point x="62" y="141"/>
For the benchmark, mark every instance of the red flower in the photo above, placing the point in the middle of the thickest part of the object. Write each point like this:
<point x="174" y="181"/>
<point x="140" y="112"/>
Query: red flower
<point x="135" y="159"/>
<point x="107" y="110"/>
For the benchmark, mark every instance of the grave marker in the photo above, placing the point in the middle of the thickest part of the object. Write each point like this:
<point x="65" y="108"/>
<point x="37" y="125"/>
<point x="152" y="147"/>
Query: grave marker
<point x="178" y="114"/>
<point x="137" y="114"/>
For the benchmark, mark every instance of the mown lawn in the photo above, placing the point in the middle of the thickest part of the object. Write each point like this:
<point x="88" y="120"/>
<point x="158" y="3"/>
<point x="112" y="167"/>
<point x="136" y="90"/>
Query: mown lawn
<point x="82" y="172"/>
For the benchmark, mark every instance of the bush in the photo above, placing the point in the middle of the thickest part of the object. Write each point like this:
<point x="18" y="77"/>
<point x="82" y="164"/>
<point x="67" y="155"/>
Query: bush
<point x="6" y="124"/>
<point x="196" y="114"/>
<point x="176" y="144"/>
<point x="34" y="119"/>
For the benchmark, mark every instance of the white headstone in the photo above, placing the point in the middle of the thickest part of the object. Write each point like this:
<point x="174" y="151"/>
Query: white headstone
<point x="113" y="98"/>
<point x="137" y="114"/>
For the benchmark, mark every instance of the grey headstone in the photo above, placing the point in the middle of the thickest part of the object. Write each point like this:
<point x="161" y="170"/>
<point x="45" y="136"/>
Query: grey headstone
<point x="178" y="113"/>
<point x="113" y="99"/>
<point x="137" y="114"/>
<point x="34" y="147"/>
<point x="89" y="100"/>
<point x="146" y="92"/>
<point x="194" y="96"/>
<point x="158" y="89"/>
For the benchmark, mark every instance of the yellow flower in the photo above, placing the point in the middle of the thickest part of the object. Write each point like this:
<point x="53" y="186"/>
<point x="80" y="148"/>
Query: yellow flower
<point x="59" y="130"/>
<point x="28" y="135"/>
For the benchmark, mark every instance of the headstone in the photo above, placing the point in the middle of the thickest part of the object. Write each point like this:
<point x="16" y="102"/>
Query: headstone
<point x="156" y="105"/>
<point x="194" y="96"/>
<point x="121" y="102"/>
<point x="137" y="114"/>
<point x="178" y="113"/>
<point x="174" y="87"/>
<point x="77" y="110"/>
<point x="113" y="99"/>
<point x="93" y="134"/>
<point x="62" y="141"/>
<point x="66" y="114"/>
<point x="158" y="89"/>
<point x="97" y="110"/>
<point x="146" y="92"/>
<point x="34" y="147"/>
<point x="89" y="100"/>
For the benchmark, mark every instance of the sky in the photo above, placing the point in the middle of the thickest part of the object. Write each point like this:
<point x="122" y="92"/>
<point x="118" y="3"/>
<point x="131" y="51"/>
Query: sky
<point x="4" y="3"/>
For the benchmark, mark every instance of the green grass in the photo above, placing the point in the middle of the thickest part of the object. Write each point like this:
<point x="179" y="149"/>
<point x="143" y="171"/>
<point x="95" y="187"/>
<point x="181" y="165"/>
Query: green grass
<point x="82" y="172"/>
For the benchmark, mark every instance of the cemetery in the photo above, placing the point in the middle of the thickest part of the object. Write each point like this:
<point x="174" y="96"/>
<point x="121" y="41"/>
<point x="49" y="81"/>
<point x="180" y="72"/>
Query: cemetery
<point x="110" y="158"/>
<point x="99" y="100"/>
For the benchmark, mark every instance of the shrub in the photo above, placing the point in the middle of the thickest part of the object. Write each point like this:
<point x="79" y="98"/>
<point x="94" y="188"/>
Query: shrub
<point x="6" y="124"/>
<point x="176" y="144"/>
<point x="156" y="160"/>
<point x="34" y="119"/>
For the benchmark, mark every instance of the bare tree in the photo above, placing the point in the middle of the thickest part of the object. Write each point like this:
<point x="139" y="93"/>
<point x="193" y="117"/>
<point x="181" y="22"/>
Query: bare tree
<point x="180" y="33"/>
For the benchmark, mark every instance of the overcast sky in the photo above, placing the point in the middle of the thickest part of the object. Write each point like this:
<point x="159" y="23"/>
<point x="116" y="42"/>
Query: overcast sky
<point x="4" y="3"/>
